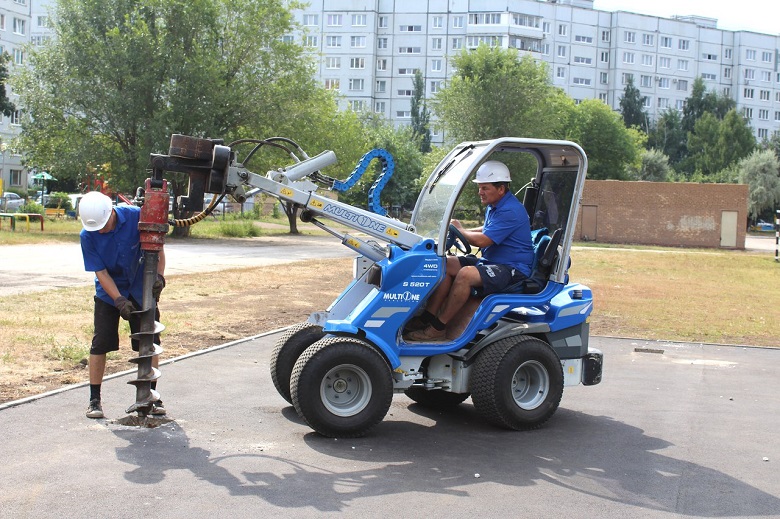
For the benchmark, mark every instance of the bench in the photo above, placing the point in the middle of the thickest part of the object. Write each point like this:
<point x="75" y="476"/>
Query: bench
<point x="54" y="213"/>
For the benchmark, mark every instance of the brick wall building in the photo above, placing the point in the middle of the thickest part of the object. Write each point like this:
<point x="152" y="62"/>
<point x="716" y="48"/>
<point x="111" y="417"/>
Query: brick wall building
<point x="662" y="213"/>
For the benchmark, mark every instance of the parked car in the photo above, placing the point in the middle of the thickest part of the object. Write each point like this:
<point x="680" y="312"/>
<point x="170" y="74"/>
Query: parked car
<point x="764" y="226"/>
<point x="11" y="202"/>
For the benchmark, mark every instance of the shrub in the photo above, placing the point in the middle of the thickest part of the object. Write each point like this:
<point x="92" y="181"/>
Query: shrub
<point x="238" y="229"/>
<point x="31" y="207"/>
<point x="59" y="200"/>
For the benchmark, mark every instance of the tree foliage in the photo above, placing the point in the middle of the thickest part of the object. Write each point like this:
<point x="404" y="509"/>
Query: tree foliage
<point x="715" y="145"/>
<point x="669" y="137"/>
<point x="700" y="102"/>
<point x="760" y="172"/>
<point x="420" y="114"/>
<point x="6" y="106"/>
<point x="632" y="106"/>
<point x="655" y="167"/>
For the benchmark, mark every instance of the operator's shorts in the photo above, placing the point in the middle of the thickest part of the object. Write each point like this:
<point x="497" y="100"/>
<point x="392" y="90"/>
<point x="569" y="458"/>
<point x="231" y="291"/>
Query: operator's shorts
<point x="106" y="337"/>
<point x="495" y="278"/>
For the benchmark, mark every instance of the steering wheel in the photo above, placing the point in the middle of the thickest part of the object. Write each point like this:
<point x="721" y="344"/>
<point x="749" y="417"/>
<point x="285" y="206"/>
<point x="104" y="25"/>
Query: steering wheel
<point x="456" y="239"/>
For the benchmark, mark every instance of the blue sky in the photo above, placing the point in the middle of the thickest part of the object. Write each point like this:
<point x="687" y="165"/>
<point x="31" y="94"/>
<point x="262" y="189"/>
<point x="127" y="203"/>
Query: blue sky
<point x="749" y="15"/>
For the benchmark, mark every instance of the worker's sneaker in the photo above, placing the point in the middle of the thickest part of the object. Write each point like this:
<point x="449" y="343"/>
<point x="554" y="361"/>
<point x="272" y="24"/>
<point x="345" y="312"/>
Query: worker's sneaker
<point x="158" y="409"/>
<point x="95" y="410"/>
<point x="429" y="334"/>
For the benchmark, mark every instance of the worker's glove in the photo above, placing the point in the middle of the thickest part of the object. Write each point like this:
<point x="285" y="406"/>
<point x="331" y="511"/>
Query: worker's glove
<point x="124" y="306"/>
<point x="158" y="286"/>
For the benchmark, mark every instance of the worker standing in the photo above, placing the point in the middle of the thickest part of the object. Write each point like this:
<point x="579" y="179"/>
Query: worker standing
<point x="110" y="244"/>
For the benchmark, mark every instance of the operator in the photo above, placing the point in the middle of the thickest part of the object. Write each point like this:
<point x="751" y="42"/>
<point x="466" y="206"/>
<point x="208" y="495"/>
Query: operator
<point x="111" y="246"/>
<point x="507" y="255"/>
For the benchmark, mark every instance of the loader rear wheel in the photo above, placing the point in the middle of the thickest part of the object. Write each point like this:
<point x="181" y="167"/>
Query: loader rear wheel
<point x="517" y="383"/>
<point x="287" y="350"/>
<point x="435" y="398"/>
<point x="341" y="387"/>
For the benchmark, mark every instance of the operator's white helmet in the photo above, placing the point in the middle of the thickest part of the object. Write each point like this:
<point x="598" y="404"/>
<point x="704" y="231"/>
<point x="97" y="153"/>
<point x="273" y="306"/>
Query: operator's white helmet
<point x="95" y="209"/>
<point x="492" y="171"/>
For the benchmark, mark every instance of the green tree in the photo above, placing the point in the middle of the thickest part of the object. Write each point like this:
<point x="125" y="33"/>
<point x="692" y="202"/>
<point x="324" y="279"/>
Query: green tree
<point x="700" y="102"/>
<point x="669" y="137"/>
<point x="760" y="172"/>
<point x="420" y="114"/>
<point x="655" y="166"/>
<point x="632" y="106"/>
<point x="494" y="93"/>
<point x="6" y="106"/>
<point x="610" y="147"/>
<point x="715" y="145"/>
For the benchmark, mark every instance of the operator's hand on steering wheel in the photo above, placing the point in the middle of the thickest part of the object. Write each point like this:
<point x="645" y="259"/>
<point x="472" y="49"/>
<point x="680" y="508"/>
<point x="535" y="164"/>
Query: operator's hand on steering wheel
<point x="455" y="238"/>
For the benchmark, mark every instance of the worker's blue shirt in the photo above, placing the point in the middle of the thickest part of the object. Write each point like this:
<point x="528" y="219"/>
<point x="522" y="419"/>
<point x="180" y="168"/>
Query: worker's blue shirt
<point x="508" y="226"/>
<point x="118" y="252"/>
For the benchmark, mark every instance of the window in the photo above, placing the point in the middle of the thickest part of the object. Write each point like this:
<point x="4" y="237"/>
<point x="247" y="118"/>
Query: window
<point x="709" y="57"/>
<point x="287" y="39"/>
<point x="379" y="107"/>
<point x="647" y="60"/>
<point x="682" y="84"/>
<point x="356" y="84"/>
<point x="563" y="29"/>
<point x="727" y="53"/>
<point x="561" y="51"/>
<point x="407" y="71"/>
<point x="405" y="93"/>
<point x="777" y="116"/>
<point x="763" y="133"/>
<point x="682" y="64"/>
<point x="526" y="20"/>
<point x="603" y="97"/>
<point x="457" y="22"/>
<point x="664" y="62"/>
<point x="750" y="54"/>
<point x="727" y="72"/>
<point x="663" y="102"/>
<point x="438" y="22"/>
<point x="581" y="81"/>
<point x="582" y="60"/>
<point x="357" y="105"/>
<point x="381" y="43"/>
<point x="383" y="22"/>
<point x="18" y="26"/>
<point x="663" y="82"/>
<point x="748" y="93"/>
<point x="648" y="39"/>
<point x="2" y="22"/>
<point x="357" y="42"/>
<point x="408" y="50"/>
<point x="606" y="36"/>
<point x="646" y="81"/>
<point x="684" y="44"/>
<point x="708" y="77"/>
<point x="485" y="19"/>
<point x="647" y="102"/>
<point x="410" y="28"/>
<point x="332" y="62"/>
<point x="472" y="42"/>
<point x="436" y="44"/>
<point x="457" y="43"/>
<point x="629" y="36"/>
<point x="333" y="42"/>
<point x="583" y="39"/>
<point x="748" y="112"/>
<point x="766" y="76"/>
<point x="750" y="73"/>
<point x="19" y="56"/>
<point x="381" y="87"/>
<point x="43" y="21"/>
<point x="546" y="27"/>
<point x="679" y="104"/>
<point x="357" y="63"/>
<point x="604" y="78"/>
<point x="544" y="48"/>
<point x="381" y="64"/>
<point x="628" y="57"/>
<point x="763" y="114"/>
<point x="560" y="72"/>
<point x="626" y="76"/>
<point x="334" y="20"/>
<point x="604" y="57"/>
<point x="311" y="41"/>
<point x="16" y="177"/>
<point x="331" y="84"/>
<point x="763" y="95"/>
<point x="359" y="20"/>
<point x="403" y="114"/>
<point x="666" y="42"/>
<point x="311" y="20"/>
<point x="436" y="86"/>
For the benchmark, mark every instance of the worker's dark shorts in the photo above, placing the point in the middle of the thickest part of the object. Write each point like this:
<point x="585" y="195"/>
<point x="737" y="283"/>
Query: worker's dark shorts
<point x="495" y="278"/>
<point x="106" y="336"/>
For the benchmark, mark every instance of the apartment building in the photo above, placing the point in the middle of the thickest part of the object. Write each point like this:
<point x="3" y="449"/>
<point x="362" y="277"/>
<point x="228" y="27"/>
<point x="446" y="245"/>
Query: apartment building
<point x="369" y="50"/>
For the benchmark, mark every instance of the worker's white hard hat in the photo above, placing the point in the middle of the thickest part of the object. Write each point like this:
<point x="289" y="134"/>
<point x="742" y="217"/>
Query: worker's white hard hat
<point x="95" y="210"/>
<point x="492" y="171"/>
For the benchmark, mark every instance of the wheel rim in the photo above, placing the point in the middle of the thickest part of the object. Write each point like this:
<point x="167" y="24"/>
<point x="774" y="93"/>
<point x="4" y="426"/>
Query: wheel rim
<point x="345" y="390"/>
<point x="530" y="385"/>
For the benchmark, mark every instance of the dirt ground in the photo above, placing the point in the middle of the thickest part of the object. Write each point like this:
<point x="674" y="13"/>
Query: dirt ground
<point x="45" y="345"/>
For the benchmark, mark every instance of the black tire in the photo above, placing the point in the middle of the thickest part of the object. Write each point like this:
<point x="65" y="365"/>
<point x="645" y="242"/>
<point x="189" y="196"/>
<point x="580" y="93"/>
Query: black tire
<point x="517" y="383"/>
<point x="341" y="387"/>
<point x="287" y="350"/>
<point x="435" y="398"/>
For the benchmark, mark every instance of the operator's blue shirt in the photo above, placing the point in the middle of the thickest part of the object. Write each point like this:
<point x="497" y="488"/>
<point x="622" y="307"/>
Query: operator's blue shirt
<point x="508" y="226"/>
<point x="118" y="252"/>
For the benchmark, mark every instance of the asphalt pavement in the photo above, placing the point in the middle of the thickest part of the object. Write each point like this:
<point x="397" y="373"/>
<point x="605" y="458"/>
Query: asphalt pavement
<point x="674" y="430"/>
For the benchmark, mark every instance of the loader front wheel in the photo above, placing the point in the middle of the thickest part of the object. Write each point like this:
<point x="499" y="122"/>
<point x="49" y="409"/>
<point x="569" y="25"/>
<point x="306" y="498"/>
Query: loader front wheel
<point x="287" y="350"/>
<point x="517" y="383"/>
<point x="341" y="387"/>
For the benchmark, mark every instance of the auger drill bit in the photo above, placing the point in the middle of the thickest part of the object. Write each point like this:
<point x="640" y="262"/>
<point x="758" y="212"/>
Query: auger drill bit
<point x="153" y="226"/>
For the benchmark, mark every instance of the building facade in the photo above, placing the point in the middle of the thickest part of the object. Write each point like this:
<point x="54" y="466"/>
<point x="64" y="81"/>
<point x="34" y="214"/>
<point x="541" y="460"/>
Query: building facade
<point x="369" y="50"/>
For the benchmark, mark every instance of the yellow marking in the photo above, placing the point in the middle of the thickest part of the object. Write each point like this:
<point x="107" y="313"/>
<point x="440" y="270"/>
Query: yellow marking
<point x="286" y="191"/>
<point x="571" y="370"/>
<point x="353" y="242"/>
<point x="317" y="204"/>
<point x="391" y="232"/>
